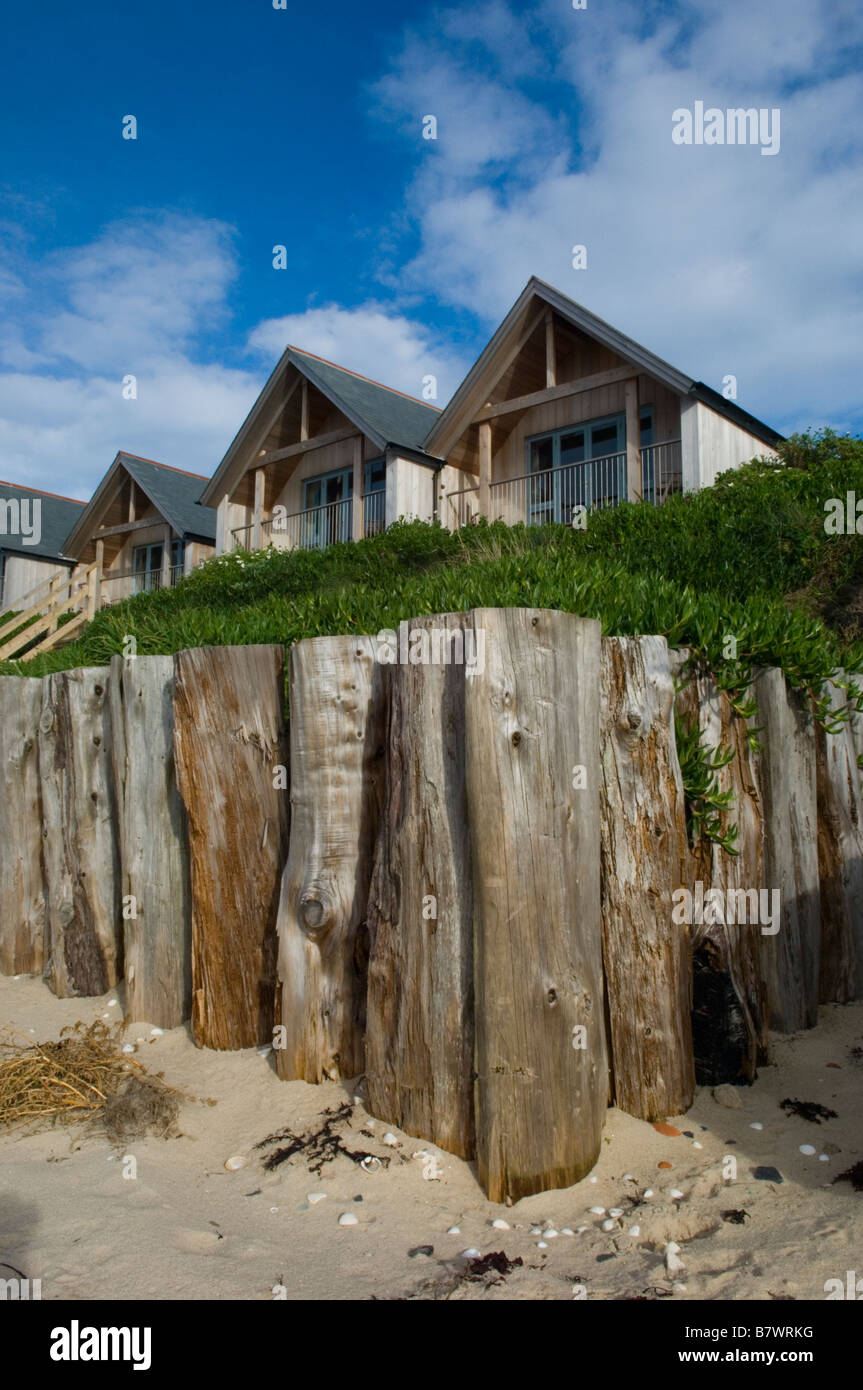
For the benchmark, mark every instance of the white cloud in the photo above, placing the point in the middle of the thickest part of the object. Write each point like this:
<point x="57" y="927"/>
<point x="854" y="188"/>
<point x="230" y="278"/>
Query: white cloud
<point x="381" y="344"/>
<point x="718" y="258"/>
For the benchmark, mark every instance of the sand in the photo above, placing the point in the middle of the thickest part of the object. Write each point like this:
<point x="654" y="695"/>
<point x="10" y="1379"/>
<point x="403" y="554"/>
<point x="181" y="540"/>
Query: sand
<point x="185" y="1228"/>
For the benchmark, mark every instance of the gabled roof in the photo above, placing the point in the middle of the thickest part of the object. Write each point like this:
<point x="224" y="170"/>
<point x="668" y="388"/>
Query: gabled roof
<point x="58" y="516"/>
<point x="384" y="415"/>
<point x="470" y="396"/>
<point x="172" y="491"/>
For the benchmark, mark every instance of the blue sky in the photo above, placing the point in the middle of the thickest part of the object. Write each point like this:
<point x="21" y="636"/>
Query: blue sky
<point x="303" y="127"/>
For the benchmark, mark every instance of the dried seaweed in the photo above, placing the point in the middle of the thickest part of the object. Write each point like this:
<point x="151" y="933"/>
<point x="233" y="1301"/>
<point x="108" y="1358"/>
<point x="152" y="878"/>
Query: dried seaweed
<point x="854" y="1175"/>
<point x="317" y="1147"/>
<point x="808" y="1110"/>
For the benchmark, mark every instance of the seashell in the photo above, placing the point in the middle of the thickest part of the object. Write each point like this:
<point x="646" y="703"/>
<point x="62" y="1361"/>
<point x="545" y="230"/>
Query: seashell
<point x="237" y="1161"/>
<point x="615" y="1211"/>
<point x="358" y="1100"/>
<point x="756" y="1124"/>
<point x="823" y="1158"/>
<point x="634" y="1231"/>
<point x="536" y="1230"/>
<point x="627" y="1177"/>
<point x="370" y="1164"/>
<point x="499" y="1224"/>
<point x="609" y="1225"/>
<point x="673" y="1262"/>
<point x="597" y="1211"/>
<point x="807" y="1149"/>
<point x="550" y="1234"/>
<point x="565" y="1231"/>
<point x="347" y="1218"/>
<point x="390" y="1140"/>
<point x="696" y="1145"/>
<point x="274" y="1209"/>
<point x="541" y="1245"/>
<point x="591" y="1180"/>
<point x="472" y="1253"/>
<point x="647" y="1194"/>
<point x="314" y="1197"/>
<point x="127" y="1047"/>
<point x="675" y="1194"/>
<point x="156" y="1032"/>
<point x="112" y="1003"/>
<point x="453" y="1231"/>
<point x="580" y="1230"/>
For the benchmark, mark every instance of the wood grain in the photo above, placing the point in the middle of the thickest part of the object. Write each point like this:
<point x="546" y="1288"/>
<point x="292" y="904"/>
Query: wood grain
<point x="22" y="896"/>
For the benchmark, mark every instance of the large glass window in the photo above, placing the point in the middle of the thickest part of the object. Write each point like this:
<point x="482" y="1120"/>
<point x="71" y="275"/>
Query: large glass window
<point x="327" y="508"/>
<point x="583" y="465"/>
<point x="147" y="566"/>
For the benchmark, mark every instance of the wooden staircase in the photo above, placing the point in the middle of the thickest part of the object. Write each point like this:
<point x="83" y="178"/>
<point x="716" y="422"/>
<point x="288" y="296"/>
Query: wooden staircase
<point x="47" y="603"/>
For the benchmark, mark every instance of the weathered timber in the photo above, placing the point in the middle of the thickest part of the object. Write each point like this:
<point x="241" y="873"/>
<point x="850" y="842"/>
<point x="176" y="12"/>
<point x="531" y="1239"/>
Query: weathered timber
<point x="22" y="897"/>
<point x="154" y="858"/>
<point x="420" y="1033"/>
<point x="840" y="859"/>
<point x="786" y="776"/>
<point x="646" y="954"/>
<point x="729" y="1005"/>
<point x="83" y="930"/>
<point x="531" y="740"/>
<point x="337" y="773"/>
<point x="229" y="744"/>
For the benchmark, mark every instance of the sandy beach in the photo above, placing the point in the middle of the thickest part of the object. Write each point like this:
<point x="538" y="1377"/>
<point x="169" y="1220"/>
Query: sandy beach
<point x="184" y="1227"/>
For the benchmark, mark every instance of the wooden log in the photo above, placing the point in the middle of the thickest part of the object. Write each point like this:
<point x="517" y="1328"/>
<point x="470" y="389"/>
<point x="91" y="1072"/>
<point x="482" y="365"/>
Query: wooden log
<point x="420" y="1032"/>
<point x="786" y="775"/>
<point x="729" y="1004"/>
<point x="337" y="772"/>
<point x="647" y="955"/>
<point x="229" y="742"/>
<point x="83" y="952"/>
<point x="154" y="856"/>
<point x="531" y="725"/>
<point x="840" y="859"/>
<point x="22" y="897"/>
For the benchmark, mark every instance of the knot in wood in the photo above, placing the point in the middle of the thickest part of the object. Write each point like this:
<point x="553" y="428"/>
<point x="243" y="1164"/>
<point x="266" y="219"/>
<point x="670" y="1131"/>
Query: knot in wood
<point x="633" y="719"/>
<point x="315" y="916"/>
<point x="516" y="739"/>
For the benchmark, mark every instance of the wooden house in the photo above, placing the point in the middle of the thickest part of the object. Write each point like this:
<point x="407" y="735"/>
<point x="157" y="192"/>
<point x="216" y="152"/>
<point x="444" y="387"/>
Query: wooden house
<point x="144" y="528"/>
<point x="31" y="550"/>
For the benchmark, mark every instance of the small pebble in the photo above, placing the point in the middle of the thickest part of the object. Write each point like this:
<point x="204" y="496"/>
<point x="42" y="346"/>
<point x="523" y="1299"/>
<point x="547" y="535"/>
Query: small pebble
<point x="627" y="1177"/>
<point x="597" y="1211"/>
<point x="347" y="1218"/>
<point x="237" y="1161"/>
<point x="127" y="1047"/>
<point x="615" y="1211"/>
<point x="675" y="1194"/>
<point x="315" y="1197"/>
<point x="390" y="1140"/>
<point x="156" y="1032"/>
<point x="565" y="1231"/>
<point x="536" y="1230"/>
<point x="696" y="1145"/>
<point x="106" y="1015"/>
<point x="647" y="1194"/>
<point x="664" y="1164"/>
<point x="273" y="1209"/>
<point x="454" y="1231"/>
<point x="807" y="1149"/>
<point x="358" y="1100"/>
<point x="112" y="1003"/>
<point x="669" y="1130"/>
<point x="420" y="1250"/>
<point x="499" y="1224"/>
<point x="370" y="1164"/>
<point x="541" y="1245"/>
<point x="756" y="1124"/>
<point x="32" y="1030"/>
<point x="472" y="1253"/>
<point x="765" y="1174"/>
<point x="608" y="1224"/>
<point x="726" y="1095"/>
<point x="550" y="1234"/>
<point x="823" y="1158"/>
<point x="580" y="1230"/>
<point x="634" y="1231"/>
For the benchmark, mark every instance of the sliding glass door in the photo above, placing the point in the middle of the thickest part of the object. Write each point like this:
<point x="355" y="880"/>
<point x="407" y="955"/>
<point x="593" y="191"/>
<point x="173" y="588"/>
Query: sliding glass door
<point x="584" y="465"/>
<point x="327" y="509"/>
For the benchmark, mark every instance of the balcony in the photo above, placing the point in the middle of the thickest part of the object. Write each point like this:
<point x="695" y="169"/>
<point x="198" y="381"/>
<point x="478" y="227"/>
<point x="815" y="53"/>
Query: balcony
<point x="119" y="584"/>
<point x="535" y="499"/>
<point x="315" y="528"/>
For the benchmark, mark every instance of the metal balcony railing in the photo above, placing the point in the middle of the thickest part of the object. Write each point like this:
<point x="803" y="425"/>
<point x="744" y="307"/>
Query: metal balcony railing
<point x="316" y="527"/>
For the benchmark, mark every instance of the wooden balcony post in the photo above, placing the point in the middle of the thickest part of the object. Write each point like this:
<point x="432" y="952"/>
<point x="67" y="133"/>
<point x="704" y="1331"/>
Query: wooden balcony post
<point x="357" y="517"/>
<point x="304" y="410"/>
<point x="97" y="578"/>
<point x="260" y="484"/>
<point x="166" y="558"/>
<point x="633" y="441"/>
<point x="550" y="355"/>
<point x="485" y="468"/>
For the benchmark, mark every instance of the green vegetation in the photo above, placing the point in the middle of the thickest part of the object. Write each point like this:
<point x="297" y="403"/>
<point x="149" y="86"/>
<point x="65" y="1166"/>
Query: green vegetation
<point x="747" y="559"/>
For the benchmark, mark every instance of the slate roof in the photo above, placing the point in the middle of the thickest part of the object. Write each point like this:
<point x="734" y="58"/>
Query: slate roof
<point x="175" y="493"/>
<point x="58" y="516"/>
<point x="394" y="417"/>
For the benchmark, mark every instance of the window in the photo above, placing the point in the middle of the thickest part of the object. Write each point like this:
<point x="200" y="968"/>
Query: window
<point x="147" y="566"/>
<point x="328" y="508"/>
<point x="583" y="465"/>
<point x="374" y="496"/>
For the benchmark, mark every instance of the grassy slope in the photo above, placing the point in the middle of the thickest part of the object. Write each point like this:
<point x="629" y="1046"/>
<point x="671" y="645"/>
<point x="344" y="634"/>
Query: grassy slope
<point x="747" y="558"/>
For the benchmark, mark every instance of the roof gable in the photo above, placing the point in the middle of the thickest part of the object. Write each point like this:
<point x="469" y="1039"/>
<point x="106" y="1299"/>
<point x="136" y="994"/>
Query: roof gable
<point x="173" y="493"/>
<point x="494" y="358"/>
